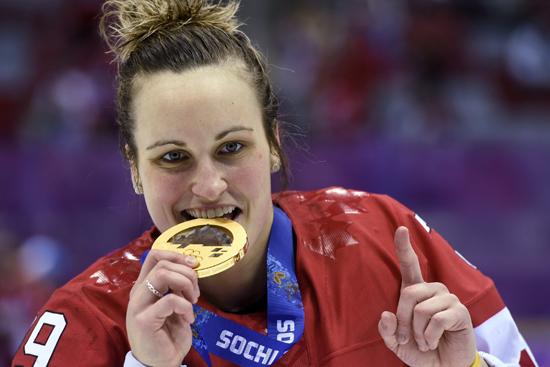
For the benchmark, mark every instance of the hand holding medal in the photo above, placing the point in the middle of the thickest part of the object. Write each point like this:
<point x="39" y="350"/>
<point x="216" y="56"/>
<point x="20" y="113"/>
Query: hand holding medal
<point x="179" y="256"/>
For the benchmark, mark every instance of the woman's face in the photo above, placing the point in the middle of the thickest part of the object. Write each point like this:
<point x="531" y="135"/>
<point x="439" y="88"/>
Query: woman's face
<point x="202" y="151"/>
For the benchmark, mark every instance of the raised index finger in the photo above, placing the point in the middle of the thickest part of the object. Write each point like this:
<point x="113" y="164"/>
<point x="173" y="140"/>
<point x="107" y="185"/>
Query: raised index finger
<point x="408" y="260"/>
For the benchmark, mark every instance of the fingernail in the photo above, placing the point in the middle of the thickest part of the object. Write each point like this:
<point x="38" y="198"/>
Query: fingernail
<point x="422" y="347"/>
<point x="191" y="260"/>
<point x="400" y="338"/>
<point x="431" y="346"/>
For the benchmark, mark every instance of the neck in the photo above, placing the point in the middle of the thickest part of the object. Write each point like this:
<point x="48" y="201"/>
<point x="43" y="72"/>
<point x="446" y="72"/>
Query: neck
<point x="244" y="285"/>
<point x="240" y="287"/>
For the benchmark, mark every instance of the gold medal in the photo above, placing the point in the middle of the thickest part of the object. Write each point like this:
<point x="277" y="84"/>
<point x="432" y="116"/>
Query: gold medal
<point x="217" y="243"/>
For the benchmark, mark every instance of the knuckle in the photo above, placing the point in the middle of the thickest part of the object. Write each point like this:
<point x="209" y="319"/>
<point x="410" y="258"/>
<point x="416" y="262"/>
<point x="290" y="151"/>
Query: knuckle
<point x="155" y="254"/>
<point x="402" y="324"/>
<point x="464" y="313"/>
<point x="170" y="298"/>
<point x="408" y="292"/>
<point x="185" y="285"/>
<point x="188" y="273"/>
<point x="438" y="320"/>
<point x="188" y="307"/>
<point x="163" y="263"/>
<point x="402" y="316"/>
<point x="173" y="300"/>
<point x="421" y="310"/>
<point x="162" y="274"/>
<point x="454" y="299"/>
<point x="441" y="287"/>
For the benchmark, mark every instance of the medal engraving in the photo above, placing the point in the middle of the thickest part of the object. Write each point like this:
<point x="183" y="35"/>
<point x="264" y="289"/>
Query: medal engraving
<point x="217" y="243"/>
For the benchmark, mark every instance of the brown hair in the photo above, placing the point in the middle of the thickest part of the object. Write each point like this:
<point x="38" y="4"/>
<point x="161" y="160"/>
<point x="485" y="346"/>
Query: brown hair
<point x="151" y="36"/>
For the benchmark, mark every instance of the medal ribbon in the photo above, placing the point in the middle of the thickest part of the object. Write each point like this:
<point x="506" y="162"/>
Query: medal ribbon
<point x="285" y="313"/>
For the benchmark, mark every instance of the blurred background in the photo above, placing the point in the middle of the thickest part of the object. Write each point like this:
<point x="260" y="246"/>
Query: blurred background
<point x="441" y="104"/>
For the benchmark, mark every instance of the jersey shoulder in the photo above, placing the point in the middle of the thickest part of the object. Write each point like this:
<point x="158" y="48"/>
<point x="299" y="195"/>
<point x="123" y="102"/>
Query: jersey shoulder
<point x="117" y="269"/>
<point x="357" y="225"/>
<point x="83" y="323"/>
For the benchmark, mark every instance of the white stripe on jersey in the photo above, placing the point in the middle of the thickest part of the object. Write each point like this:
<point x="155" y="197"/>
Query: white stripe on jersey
<point x="501" y="341"/>
<point x="423" y="222"/>
<point x="463" y="258"/>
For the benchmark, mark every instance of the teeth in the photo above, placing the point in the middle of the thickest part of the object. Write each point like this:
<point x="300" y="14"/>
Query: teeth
<point x="210" y="213"/>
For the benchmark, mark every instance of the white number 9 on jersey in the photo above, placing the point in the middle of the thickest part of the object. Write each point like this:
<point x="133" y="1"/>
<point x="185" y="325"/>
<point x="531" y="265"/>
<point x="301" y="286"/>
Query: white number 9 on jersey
<point x="43" y="352"/>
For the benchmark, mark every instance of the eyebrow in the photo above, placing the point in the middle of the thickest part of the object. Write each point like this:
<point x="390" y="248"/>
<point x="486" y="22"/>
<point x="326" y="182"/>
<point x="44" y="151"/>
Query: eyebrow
<point x="166" y="142"/>
<point x="183" y="144"/>
<point x="232" y="130"/>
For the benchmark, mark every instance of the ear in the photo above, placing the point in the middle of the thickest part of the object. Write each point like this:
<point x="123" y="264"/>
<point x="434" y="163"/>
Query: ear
<point x="128" y="154"/>
<point x="274" y="159"/>
<point x="275" y="162"/>
<point x="274" y="156"/>
<point x="134" y="174"/>
<point x="136" y="181"/>
<point x="277" y="132"/>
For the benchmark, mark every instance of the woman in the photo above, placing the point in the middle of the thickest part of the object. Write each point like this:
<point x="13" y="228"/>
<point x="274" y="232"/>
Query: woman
<point x="352" y="278"/>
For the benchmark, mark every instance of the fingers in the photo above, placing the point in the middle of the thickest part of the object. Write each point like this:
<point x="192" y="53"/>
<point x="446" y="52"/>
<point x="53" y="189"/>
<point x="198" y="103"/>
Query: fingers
<point x="157" y="255"/>
<point x="453" y="318"/>
<point x="425" y="312"/>
<point x="169" y="305"/>
<point x="428" y="316"/>
<point x="171" y="261"/>
<point x="158" y="327"/>
<point x="161" y="329"/>
<point x="165" y="270"/>
<point x="179" y="280"/>
<point x="408" y="260"/>
<point x="410" y="298"/>
<point x="387" y="327"/>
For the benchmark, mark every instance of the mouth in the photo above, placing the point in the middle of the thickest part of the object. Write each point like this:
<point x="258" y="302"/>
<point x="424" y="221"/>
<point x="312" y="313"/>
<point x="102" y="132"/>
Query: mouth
<point x="227" y="212"/>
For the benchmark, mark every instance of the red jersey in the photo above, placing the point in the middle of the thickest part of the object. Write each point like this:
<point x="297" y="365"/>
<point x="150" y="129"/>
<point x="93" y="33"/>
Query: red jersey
<point x="348" y="273"/>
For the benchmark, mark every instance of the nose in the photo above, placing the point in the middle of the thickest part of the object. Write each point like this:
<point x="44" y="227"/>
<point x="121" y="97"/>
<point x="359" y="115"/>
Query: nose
<point x="208" y="181"/>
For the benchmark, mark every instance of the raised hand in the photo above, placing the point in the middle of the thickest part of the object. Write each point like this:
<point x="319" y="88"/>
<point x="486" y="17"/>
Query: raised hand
<point x="159" y="327"/>
<point x="431" y="327"/>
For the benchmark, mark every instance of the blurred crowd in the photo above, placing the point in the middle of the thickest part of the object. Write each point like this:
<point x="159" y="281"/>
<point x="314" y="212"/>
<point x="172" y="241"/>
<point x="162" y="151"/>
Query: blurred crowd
<point x="419" y="70"/>
<point x="427" y="70"/>
<point x="397" y="73"/>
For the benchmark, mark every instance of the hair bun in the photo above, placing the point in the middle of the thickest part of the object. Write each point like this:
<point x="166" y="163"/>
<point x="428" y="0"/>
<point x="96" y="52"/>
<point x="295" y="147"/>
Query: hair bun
<point x="127" y="23"/>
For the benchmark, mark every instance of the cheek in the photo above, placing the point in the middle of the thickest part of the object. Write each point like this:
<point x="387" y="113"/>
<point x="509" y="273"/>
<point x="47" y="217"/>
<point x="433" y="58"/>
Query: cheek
<point x="253" y="178"/>
<point x="164" y="188"/>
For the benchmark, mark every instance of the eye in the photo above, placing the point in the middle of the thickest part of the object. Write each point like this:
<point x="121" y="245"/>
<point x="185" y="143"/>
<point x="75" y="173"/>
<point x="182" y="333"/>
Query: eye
<point x="173" y="156"/>
<point x="231" y="147"/>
